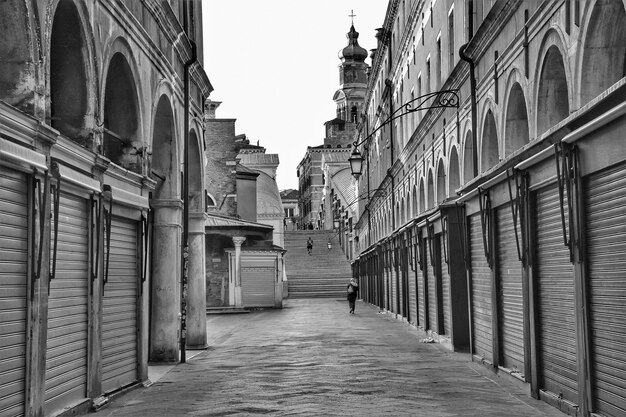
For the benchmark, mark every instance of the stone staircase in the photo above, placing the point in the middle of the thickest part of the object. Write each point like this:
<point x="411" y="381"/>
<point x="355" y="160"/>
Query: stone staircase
<point x="324" y="274"/>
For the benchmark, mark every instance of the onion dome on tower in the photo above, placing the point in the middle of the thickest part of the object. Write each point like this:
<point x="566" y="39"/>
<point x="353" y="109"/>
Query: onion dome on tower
<point x="353" y="52"/>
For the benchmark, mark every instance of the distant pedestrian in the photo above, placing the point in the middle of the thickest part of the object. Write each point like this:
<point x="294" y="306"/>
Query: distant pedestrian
<point x="329" y="244"/>
<point x="353" y="289"/>
<point x="309" y="245"/>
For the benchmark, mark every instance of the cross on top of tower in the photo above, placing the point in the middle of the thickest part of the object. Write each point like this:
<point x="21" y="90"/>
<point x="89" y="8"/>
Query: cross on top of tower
<point x="352" y="15"/>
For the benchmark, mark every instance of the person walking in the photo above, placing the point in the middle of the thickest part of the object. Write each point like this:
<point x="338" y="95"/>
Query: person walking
<point x="309" y="245"/>
<point x="329" y="244"/>
<point x="353" y="289"/>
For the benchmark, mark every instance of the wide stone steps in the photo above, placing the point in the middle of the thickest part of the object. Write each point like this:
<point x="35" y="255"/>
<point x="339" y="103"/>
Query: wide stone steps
<point x="323" y="274"/>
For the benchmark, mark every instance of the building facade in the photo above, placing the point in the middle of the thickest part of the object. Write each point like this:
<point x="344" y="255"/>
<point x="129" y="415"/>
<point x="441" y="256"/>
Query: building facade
<point x="313" y="171"/>
<point x="491" y="218"/>
<point x="94" y="103"/>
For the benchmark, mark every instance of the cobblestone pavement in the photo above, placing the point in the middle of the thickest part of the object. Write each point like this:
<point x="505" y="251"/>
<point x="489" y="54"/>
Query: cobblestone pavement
<point x="312" y="358"/>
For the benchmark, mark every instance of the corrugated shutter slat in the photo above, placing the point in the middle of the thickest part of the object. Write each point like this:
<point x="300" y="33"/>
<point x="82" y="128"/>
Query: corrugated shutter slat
<point x="13" y="287"/>
<point x="481" y="292"/>
<point x="555" y="281"/>
<point x="606" y="253"/>
<point x="445" y="283"/>
<point x="119" y="304"/>
<point x="510" y="297"/>
<point x="66" y="361"/>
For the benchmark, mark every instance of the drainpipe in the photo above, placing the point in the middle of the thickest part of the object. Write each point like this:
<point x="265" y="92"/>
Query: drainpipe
<point x="472" y="76"/>
<point x="185" y="245"/>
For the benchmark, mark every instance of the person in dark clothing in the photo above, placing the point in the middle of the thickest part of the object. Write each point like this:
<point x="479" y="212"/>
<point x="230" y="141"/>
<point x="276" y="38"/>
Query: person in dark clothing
<point x="353" y="289"/>
<point x="309" y="245"/>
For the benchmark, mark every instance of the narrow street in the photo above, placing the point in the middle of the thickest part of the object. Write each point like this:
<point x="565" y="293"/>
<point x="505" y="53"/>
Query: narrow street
<point x="313" y="358"/>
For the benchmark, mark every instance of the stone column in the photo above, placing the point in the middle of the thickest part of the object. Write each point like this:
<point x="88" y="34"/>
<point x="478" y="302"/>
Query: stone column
<point x="196" y="284"/>
<point x="165" y="303"/>
<point x="238" y="241"/>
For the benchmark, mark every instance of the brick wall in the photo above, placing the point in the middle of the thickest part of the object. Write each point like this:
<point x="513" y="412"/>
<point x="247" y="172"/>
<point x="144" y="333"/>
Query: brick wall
<point x="220" y="173"/>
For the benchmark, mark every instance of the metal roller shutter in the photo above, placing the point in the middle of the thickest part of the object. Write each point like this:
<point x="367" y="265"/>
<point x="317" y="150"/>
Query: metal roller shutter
<point x="422" y="287"/>
<point x="119" y="308"/>
<point x="481" y="292"/>
<point x="510" y="296"/>
<point x="13" y="288"/>
<point x="394" y="284"/>
<point x="413" y="295"/>
<point x="555" y="296"/>
<point x="606" y="251"/>
<point x="445" y="285"/>
<point x="257" y="284"/>
<point x="432" y="292"/>
<point x="66" y="360"/>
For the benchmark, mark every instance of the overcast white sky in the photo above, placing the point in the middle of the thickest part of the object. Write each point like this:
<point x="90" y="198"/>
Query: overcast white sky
<point x="274" y="66"/>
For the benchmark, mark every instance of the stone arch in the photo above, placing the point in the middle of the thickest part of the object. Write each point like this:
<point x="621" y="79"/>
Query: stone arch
<point x="489" y="154"/>
<point x="468" y="159"/>
<point x="72" y="76"/>
<point x="516" y="120"/>
<point x="165" y="150"/>
<point x="454" y="177"/>
<point x="604" y="48"/>
<point x="441" y="181"/>
<point x="20" y="52"/>
<point x="430" y="190"/>
<point x="196" y="174"/>
<point x="122" y="141"/>
<point x="552" y="86"/>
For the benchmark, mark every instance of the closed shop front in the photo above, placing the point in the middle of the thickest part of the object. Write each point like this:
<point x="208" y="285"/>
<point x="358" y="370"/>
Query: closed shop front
<point x="13" y="289"/>
<point x="413" y="284"/>
<point x="433" y="299"/>
<point x="257" y="282"/>
<point x="554" y="278"/>
<point x="481" y="292"/>
<point x="422" y="288"/>
<point x="445" y="285"/>
<point x="66" y="360"/>
<point x="510" y="295"/>
<point x="120" y="328"/>
<point x="394" y="281"/>
<point x="606" y="254"/>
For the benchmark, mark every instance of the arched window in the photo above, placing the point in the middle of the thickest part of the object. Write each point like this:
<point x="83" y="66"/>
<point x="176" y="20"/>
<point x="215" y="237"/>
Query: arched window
<point x="516" y="124"/>
<point x="552" y="98"/>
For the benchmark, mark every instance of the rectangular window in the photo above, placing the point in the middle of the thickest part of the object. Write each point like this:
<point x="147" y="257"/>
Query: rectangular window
<point x="451" y="49"/>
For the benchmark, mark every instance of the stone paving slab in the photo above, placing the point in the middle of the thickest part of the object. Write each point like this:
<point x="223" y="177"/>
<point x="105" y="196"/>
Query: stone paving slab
<point x="312" y="358"/>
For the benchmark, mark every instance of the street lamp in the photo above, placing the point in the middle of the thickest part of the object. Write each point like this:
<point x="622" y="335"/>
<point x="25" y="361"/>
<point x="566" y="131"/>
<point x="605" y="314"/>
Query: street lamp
<point x="356" y="163"/>
<point x="441" y="99"/>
